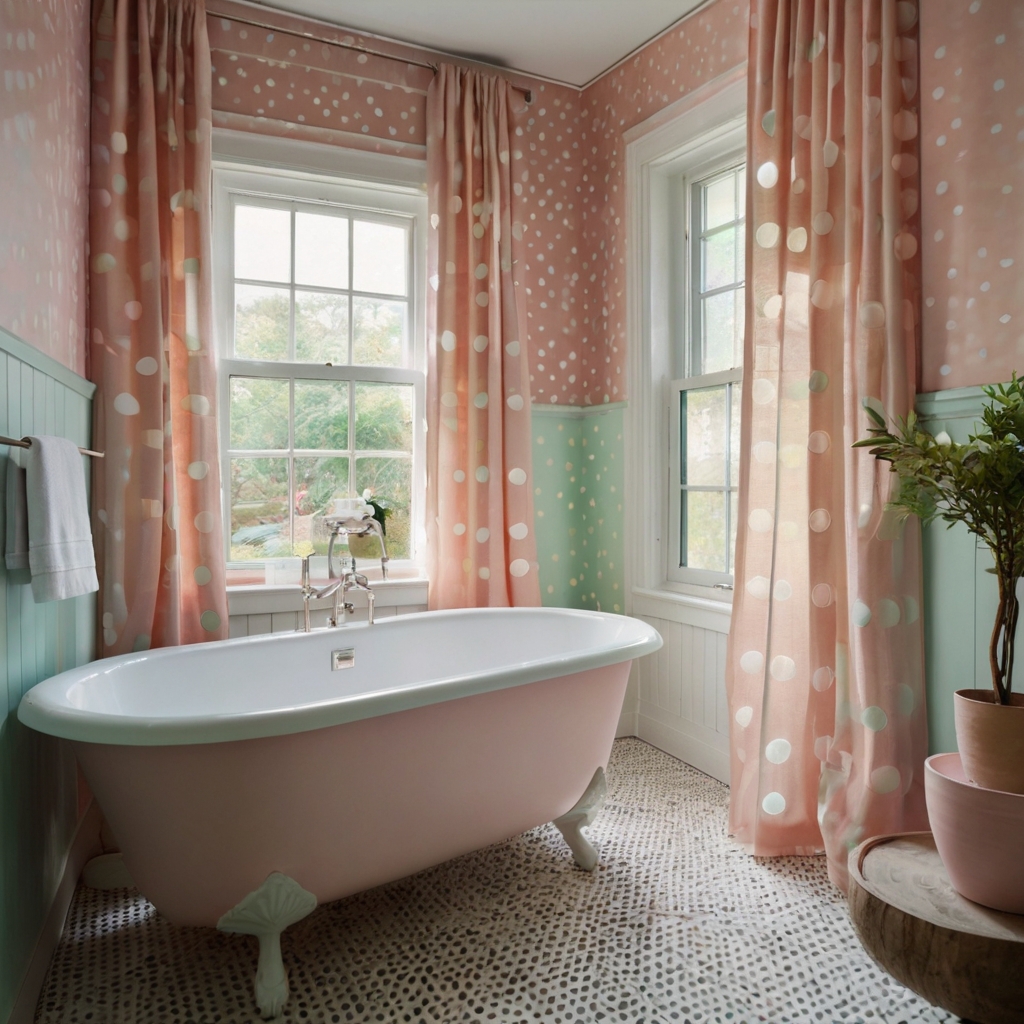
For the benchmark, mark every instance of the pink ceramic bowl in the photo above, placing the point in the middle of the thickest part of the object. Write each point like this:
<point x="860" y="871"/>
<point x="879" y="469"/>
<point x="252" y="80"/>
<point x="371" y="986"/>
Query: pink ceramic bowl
<point x="979" y="834"/>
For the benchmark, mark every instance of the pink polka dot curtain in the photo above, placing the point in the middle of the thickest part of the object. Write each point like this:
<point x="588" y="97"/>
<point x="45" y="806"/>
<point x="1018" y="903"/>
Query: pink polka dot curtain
<point x="825" y="672"/>
<point x="157" y="493"/>
<point x="480" y="541"/>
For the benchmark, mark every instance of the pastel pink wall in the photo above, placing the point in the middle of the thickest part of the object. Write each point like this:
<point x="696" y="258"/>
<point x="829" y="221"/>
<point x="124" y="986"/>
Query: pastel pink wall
<point x="972" y="171"/>
<point x="44" y="130"/>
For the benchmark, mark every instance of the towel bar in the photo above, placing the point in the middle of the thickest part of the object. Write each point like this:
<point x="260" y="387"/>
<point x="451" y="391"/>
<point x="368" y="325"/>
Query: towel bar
<point x="26" y="443"/>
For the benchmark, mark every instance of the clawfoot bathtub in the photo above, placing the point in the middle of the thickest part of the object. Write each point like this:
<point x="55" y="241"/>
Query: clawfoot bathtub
<point x="248" y="780"/>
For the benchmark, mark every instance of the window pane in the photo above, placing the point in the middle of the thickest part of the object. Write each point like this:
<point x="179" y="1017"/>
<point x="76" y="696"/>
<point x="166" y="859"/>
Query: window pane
<point x="379" y="253"/>
<point x="321" y="414"/>
<point x="261" y="322"/>
<point x="703" y="538"/>
<point x="259" y="509"/>
<point x="390" y="479"/>
<point x="316" y="482"/>
<point x="378" y="329"/>
<point x="721" y="350"/>
<point x="719" y="260"/>
<point x="321" y="328"/>
<point x="321" y="250"/>
<point x="383" y="417"/>
<point x="733" y="513"/>
<point x="263" y="244"/>
<point x="704" y="425"/>
<point x="259" y="413"/>
<point x="720" y="202"/>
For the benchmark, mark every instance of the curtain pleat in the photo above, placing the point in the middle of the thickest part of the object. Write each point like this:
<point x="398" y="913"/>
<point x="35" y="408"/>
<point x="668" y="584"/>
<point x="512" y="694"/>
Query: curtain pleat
<point x="156" y="495"/>
<point x="825" y="670"/>
<point x="480" y="538"/>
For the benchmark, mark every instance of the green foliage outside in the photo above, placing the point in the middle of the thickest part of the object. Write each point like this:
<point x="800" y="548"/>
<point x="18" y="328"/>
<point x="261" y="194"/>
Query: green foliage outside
<point x="979" y="484"/>
<point x="269" y="515"/>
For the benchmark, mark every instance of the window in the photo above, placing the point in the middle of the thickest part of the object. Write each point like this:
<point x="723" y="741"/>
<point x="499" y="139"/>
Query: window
<point x="705" y="403"/>
<point x="320" y="325"/>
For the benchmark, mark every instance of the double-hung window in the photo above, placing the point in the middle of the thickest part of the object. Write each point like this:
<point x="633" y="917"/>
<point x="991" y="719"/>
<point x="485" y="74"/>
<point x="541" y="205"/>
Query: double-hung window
<point x="705" y="401"/>
<point x="319" y="317"/>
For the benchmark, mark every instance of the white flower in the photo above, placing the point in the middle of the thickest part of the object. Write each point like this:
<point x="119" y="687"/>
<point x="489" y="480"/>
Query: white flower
<point x="943" y="438"/>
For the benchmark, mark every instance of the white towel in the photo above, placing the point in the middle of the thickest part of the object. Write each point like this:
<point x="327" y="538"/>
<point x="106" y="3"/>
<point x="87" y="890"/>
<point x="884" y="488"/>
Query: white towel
<point x="60" y="552"/>
<point x="16" y="540"/>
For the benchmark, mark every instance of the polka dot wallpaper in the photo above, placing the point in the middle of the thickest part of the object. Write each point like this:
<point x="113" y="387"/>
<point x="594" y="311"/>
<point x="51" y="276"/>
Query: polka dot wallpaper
<point x="44" y="129"/>
<point x="972" y="178"/>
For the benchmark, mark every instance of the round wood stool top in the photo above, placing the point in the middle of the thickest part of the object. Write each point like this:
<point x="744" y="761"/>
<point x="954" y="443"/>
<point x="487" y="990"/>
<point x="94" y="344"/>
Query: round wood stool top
<point x="957" y="954"/>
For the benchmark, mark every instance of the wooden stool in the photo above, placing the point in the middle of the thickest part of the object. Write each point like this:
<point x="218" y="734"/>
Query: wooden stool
<point x="956" y="954"/>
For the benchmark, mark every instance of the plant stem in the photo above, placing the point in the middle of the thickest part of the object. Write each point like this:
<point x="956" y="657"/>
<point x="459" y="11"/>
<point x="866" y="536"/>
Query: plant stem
<point x="994" y="643"/>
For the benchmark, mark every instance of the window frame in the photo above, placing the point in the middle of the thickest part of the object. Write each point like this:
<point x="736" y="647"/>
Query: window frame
<point x="381" y="200"/>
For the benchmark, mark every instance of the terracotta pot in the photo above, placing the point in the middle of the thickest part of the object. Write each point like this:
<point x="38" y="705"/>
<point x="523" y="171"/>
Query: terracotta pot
<point x="979" y="834"/>
<point x="991" y="739"/>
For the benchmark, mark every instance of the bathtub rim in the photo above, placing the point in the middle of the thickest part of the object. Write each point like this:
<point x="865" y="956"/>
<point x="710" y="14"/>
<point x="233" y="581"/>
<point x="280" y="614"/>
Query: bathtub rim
<point x="44" y="708"/>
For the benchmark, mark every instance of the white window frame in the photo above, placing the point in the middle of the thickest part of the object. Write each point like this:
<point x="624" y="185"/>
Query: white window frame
<point x="699" y="134"/>
<point x="375" y="187"/>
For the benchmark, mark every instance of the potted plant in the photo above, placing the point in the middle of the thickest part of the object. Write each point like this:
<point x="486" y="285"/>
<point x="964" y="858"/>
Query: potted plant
<point x="979" y="484"/>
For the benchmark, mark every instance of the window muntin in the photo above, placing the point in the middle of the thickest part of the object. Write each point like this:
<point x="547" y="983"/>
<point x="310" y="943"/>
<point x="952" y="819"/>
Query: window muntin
<point x="705" y="413"/>
<point x="320" y="391"/>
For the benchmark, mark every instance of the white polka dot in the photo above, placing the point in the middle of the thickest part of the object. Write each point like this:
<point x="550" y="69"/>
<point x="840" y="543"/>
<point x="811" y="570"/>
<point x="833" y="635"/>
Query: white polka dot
<point x="818" y="381"/>
<point x="518" y="531"/>
<point x="767" y="175"/>
<point x="872" y="315"/>
<point x="821" y="595"/>
<point x="783" y="668"/>
<point x="773" y="307"/>
<point x="202" y="575"/>
<point x="204" y="522"/>
<point x="822" y="678"/>
<point x="459" y="529"/>
<point x="830" y="153"/>
<point x="904" y="246"/>
<point x="448" y="341"/>
<point x="147" y="366"/>
<point x="512" y="348"/>
<point x="126" y="404"/>
<point x="455" y="204"/>
<point x="480" y="342"/>
<point x="759" y="587"/>
<point x="874" y="718"/>
<point x="861" y="613"/>
<point x="797" y="240"/>
<point x="517" y="476"/>
<point x="484" y="573"/>
<point x="821" y="294"/>
<point x="199" y="405"/>
<point x="133" y="310"/>
<point x="458" y="476"/>
<point x="480" y="401"/>
<point x="760" y="520"/>
<point x="778" y="751"/>
<point x="819" y="520"/>
<point x="773" y="803"/>
<point x="483" y="535"/>
<point x="198" y="470"/>
<point x="783" y="590"/>
<point x="885" y="779"/>
<point x="119" y="142"/>
<point x="768" y="235"/>
<point x="887" y="612"/>
<point x="818" y="442"/>
<point x="483" y="474"/>
<point x="519" y="567"/>
<point x="823" y="222"/>
<point x="481" y="271"/>
<point x="763" y="391"/>
<point x="911" y="610"/>
<point x="515" y="402"/>
<point x="752" y="662"/>
<point x="482" y="298"/>
<point x="764" y="452"/>
<point x="744" y="716"/>
<point x="450" y="399"/>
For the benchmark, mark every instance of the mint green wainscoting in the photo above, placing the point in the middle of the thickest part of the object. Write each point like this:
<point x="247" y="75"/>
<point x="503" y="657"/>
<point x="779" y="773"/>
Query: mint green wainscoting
<point x="960" y="595"/>
<point x="578" y="476"/>
<point x="38" y="782"/>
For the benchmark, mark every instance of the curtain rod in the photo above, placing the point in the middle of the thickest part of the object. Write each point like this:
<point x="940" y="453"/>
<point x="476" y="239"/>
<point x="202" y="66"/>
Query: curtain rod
<point x="26" y="443"/>
<point x="528" y="93"/>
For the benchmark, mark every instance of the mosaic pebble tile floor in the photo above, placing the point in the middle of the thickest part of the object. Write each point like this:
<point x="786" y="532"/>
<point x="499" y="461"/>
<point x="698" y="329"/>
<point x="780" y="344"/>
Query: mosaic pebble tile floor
<point x="678" y="924"/>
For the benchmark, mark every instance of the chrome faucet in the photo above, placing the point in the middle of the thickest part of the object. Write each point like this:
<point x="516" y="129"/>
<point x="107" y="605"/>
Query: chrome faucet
<point x="349" y="580"/>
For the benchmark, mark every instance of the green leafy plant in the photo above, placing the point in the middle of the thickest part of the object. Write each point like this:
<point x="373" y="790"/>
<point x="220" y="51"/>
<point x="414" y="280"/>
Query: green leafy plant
<point x="979" y="484"/>
<point x="382" y="509"/>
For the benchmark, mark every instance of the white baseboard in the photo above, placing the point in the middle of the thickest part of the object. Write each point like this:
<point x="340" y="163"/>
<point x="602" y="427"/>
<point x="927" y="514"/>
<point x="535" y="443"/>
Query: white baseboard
<point x="627" y="722"/>
<point x="85" y="844"/>
<point x="712" y="760"/>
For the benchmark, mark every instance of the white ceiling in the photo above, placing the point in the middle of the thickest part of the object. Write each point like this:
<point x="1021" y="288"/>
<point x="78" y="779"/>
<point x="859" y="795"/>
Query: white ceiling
<point x="571" y="41"/>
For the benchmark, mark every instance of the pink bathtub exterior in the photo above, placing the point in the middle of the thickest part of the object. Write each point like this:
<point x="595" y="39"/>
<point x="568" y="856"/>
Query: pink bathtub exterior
<point x="349" y="807"/>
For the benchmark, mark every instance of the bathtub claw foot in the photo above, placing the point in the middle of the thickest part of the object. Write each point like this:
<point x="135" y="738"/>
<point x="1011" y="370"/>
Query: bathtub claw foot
<point x="279" y="902"/>
<point x="583" y="813"/>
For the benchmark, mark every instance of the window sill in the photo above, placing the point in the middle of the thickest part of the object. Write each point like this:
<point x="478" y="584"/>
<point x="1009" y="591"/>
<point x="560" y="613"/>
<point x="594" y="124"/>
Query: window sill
<point x="258" y="600"/>
<point x="708" y="613"/>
